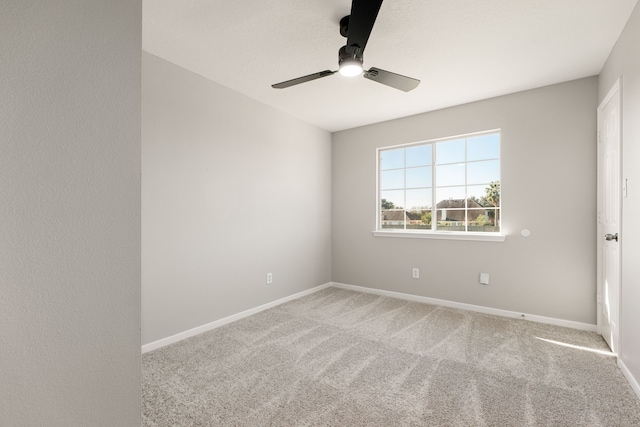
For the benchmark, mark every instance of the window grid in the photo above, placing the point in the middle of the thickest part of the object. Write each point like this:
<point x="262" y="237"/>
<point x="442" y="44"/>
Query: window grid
<point x="404" y="216"/>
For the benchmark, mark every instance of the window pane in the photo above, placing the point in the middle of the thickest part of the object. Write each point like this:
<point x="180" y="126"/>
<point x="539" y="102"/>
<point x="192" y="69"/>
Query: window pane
<point x="483" y="147"/>
<point x="393" y="179"/>
<point x="450" y="151"/>
<point x="474" y="203"/>
<point x="392" y="159"/>
<point x="450" y="220"/>
<point x="450" y="197"/>
<point x="486" y="195"/>
<point x="452" y="215"/>
<point x="419" y="177"/>
<point x="419" y="199"/>
<point x="483" y="172"/>
<point x="477" y="192"/>
<point x="419" y="220"/>
<point x="481" y="221"/>
<point x="419" y="155"/>
<point x="491" y="219"/>
<point x="392" y="218"/>
<point x="492" y="193"/>
<point x="450" y="175"/>
<point x="392" y="199"/>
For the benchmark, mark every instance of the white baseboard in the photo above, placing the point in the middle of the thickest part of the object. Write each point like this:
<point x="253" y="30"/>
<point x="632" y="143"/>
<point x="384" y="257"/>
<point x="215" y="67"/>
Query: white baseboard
<point x="216" y="324"/>
<point x="470" y="307"/>
<point x="629" y="376"/>
<point x="477" y="308"/>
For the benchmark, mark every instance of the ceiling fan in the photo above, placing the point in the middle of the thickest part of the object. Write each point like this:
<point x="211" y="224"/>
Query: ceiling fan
<point x="357" y="29"/>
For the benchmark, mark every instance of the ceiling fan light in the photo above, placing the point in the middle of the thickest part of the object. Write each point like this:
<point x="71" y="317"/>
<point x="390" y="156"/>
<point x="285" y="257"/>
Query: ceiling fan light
<point x="349" y="63"/>
<point x="350" y="69"/>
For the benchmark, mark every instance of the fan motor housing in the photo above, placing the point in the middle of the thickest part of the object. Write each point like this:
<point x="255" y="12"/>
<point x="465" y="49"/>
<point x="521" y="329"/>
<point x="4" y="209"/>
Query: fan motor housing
<point x="346" y="57"/>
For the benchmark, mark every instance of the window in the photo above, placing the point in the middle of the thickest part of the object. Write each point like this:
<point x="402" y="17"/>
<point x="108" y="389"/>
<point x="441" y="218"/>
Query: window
<point x="448" y="186"/>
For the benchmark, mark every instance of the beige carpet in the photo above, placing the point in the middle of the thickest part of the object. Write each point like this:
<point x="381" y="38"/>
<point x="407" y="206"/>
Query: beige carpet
<point x="343" y="358"/>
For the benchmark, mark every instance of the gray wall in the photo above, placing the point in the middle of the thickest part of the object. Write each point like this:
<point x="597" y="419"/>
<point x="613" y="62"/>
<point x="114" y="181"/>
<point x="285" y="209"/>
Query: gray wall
<point x="548" y="187"/>
<point x="624" y="62"/>
<point x="70" y="213"/>
<point x="232" y="189"/>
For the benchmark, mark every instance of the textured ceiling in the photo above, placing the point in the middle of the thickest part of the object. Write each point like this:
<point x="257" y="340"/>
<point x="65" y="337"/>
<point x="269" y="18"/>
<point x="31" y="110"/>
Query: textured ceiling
<point x="461" y="50"/>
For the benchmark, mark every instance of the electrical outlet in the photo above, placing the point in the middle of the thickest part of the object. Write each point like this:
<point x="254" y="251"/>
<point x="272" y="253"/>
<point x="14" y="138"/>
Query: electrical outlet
<point x="415" y="273"/>
<point x="484" y="278"/>
<point x="269" y="278"/>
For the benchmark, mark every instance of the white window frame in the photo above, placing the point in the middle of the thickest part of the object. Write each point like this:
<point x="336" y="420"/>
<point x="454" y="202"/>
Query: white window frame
<point x="437" y="234"/>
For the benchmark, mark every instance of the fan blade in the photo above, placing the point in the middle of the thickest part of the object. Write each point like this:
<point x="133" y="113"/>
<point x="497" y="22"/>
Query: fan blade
<point x="391" y="79"/>
<point x="363" y="16"/>
<point x="304" y="79"/>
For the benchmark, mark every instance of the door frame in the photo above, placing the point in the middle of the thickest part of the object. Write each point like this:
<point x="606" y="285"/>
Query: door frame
<point x="615" y="89"/>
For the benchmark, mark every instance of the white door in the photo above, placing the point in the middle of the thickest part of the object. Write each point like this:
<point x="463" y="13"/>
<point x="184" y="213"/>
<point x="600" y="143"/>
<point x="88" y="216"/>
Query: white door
<point x="608" y="242"/>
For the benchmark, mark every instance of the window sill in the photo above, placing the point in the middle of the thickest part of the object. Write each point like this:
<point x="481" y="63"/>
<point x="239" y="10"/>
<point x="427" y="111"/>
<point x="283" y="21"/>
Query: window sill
<point x="444" y="235"/>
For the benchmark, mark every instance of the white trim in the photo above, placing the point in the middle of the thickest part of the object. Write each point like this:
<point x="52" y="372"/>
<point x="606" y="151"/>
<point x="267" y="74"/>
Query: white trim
<point x="470" y="307"/>
<point x="443" y="138"/>
<point x="217" y="323"/>
<point x="477" y="308"/>
<point x="629" y="376"/>
<point x="612" y="92"/>
<point x="481" y="237"/>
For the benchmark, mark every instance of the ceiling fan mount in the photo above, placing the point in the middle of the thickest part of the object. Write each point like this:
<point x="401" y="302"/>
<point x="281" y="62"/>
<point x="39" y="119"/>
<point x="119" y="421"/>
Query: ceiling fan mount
<point x="357" y="27"/>
<point x="344" y="26"/>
